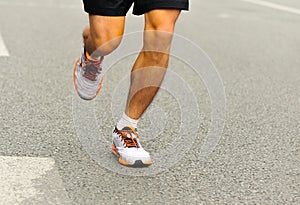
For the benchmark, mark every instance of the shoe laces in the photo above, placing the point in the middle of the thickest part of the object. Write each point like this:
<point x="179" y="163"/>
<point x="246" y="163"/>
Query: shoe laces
<point x="129" y="137"/>
<point x="91" y="68"/>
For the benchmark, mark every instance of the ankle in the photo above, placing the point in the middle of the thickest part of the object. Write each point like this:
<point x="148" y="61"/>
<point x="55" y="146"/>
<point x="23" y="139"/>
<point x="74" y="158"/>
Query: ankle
<point x="126" y="121"/>
<point x="92" y="57"/>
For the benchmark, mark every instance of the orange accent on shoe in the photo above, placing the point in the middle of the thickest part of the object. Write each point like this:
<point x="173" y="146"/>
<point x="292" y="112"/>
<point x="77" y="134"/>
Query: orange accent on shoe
<point x="98" y="91"/>
<point x="148" y="162"/>
<point x="114" y="150"/>
<point x="87" y="55"/>
<point x="122" y="161"/>
<point x="74" y="78"/>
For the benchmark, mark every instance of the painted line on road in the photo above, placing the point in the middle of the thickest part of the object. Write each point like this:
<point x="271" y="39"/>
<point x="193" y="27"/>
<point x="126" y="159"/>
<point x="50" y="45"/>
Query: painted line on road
<point x="3" y="49"/>
<point x="274" y="6"/>
<point x="30" y="179"/>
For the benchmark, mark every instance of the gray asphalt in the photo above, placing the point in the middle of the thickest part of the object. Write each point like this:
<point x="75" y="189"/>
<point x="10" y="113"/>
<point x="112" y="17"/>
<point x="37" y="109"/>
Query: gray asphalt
<point x="256" y="52"/>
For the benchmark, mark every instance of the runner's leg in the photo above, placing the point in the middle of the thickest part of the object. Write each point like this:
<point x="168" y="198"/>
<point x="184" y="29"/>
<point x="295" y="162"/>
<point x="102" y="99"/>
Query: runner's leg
<point x="150" y="66"/>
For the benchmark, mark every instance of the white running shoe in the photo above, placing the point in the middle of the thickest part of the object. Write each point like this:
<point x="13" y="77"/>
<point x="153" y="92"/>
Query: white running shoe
<point x="87" y="76"/>
<point x="127" y="148"/>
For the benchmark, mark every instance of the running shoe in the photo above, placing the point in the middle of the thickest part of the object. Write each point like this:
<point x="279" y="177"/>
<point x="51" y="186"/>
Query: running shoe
<point x="127" y="148"/>
<point x="87" y="76"/>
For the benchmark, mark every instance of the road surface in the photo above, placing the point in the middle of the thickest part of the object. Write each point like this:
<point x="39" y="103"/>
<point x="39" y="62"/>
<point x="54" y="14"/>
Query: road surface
<point x="255" y="47"/>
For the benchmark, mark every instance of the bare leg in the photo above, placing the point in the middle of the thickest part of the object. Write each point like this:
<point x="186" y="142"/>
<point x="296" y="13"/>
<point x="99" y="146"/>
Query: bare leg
<point x="150" y="66"/>
<point x="101" y="38"/>
<point x="103" y="35"/>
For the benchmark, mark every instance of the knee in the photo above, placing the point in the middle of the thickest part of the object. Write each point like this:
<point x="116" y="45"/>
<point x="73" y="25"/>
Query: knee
<point x="162" y="26"/>
<point x="161" y="20"/>
<point x="159" y="31"/>
<point x="104" y="42"/>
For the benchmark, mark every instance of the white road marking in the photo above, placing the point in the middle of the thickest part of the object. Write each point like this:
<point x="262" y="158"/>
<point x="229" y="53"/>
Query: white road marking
<point x="274" y="6"/>
<point x="30" y="180"/>
<point x="3" y="49"/>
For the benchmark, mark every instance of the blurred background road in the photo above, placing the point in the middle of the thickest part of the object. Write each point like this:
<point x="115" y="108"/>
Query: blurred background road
<point x="255" y="46"/>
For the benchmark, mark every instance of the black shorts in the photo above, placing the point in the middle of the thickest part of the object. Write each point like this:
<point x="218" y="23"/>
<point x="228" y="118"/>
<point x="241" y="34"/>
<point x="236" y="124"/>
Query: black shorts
<point x="121" y="7"/>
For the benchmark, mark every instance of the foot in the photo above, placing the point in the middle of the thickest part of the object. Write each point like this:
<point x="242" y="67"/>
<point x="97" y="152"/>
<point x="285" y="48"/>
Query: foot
<point x="127" y="148"/>
<point x="87" y="76"/>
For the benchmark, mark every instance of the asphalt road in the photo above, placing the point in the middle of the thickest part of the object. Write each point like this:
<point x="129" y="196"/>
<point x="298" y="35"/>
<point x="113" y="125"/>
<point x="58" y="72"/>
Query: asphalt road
<point x="44" y="158"/>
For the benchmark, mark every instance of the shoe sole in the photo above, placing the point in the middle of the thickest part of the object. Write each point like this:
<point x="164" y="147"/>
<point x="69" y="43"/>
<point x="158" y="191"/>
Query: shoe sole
<point x="136" y="164"/>
<point x="75" y="87"/>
